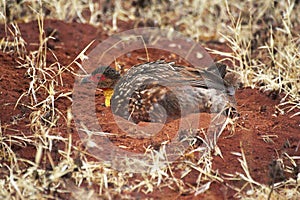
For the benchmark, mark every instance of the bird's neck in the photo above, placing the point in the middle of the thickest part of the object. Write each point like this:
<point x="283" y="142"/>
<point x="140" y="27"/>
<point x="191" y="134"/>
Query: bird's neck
<point x="108" y="92"/>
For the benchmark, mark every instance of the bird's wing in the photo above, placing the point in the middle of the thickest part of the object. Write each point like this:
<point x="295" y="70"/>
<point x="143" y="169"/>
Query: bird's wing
<point x="170" y="75"/>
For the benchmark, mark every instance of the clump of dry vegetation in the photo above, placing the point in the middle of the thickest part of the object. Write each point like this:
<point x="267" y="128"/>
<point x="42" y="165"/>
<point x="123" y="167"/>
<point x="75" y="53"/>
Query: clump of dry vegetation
<point x="264" y="40"/>
<point x="263" y="35"/>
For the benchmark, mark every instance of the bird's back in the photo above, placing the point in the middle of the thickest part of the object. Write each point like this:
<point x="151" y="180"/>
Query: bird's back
<point x="156" y="90"/>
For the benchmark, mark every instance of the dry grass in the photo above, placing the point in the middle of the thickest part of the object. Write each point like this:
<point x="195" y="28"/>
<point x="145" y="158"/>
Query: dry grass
<point x="252" y="189"/>
<point x="264" y="51"/>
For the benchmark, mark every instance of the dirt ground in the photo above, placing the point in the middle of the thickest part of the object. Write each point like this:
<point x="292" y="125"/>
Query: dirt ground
<point x="259" y="116"/>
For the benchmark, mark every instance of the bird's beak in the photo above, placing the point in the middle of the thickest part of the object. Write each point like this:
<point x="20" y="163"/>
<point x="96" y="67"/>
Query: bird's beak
<point x="86" y="79"/>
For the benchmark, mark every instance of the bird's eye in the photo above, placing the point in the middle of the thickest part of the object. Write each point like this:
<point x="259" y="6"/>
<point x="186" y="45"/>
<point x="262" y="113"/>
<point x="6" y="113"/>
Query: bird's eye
<point x="100" y="77"/>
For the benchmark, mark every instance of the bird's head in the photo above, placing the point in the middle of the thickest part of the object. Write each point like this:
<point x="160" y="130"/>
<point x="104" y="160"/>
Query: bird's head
<point x="106" y="78"/>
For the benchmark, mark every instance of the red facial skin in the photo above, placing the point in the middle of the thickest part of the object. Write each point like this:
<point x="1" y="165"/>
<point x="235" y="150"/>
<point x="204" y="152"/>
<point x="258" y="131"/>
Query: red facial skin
<point x="97" y="77"/>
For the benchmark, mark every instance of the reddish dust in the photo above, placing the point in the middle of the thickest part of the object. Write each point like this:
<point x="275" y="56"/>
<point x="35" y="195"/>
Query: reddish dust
<point x="258" y="118"/>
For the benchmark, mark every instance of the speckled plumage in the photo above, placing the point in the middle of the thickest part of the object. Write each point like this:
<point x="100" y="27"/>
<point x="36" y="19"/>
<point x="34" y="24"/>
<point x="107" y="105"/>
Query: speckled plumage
<point x="155" y="91"/>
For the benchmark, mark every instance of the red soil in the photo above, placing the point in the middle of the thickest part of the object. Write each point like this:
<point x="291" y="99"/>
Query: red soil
<point x="258" y="114"/>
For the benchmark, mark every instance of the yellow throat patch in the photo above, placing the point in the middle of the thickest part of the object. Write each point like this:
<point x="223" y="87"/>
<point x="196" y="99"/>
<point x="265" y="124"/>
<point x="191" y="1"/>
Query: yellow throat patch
<point x="108" y="94"/>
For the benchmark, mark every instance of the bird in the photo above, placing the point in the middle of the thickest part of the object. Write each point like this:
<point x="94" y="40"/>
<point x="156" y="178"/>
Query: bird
<point x="158" y="91"/>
